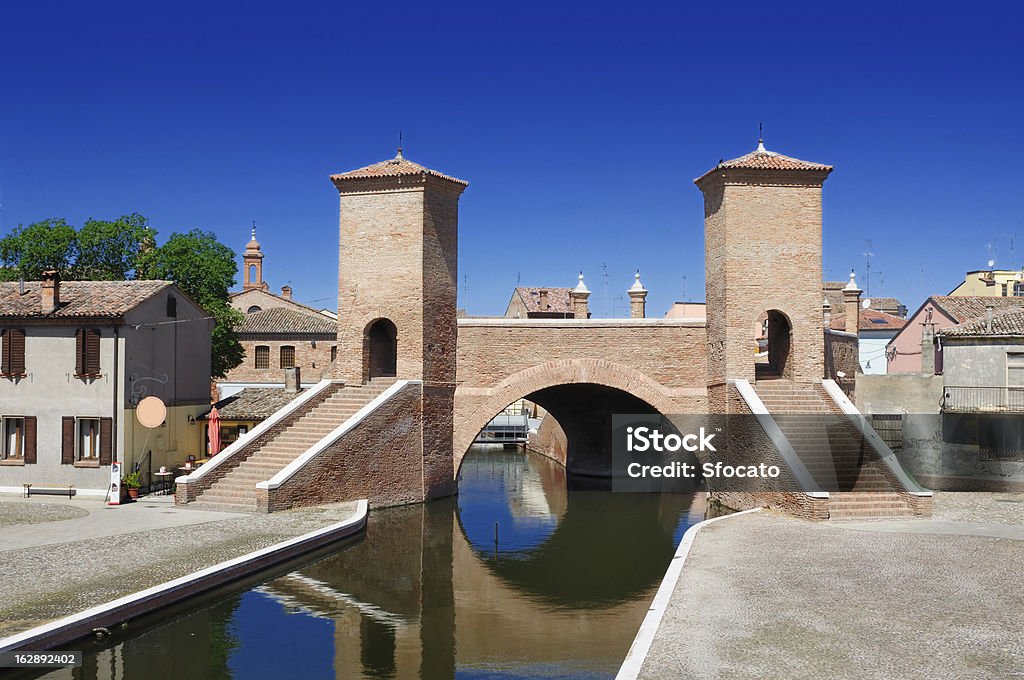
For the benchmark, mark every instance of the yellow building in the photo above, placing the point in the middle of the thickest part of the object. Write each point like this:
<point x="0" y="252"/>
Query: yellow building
<point x="992" y="283"/>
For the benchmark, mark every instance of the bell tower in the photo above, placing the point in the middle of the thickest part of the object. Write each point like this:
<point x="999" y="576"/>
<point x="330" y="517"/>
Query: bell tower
<point x="252" y="264"/>
<point x="762" y="250"/>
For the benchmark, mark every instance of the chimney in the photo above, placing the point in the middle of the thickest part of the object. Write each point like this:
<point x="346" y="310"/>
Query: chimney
<point x="286" y="292"/>
<point x="989" y="313"/>
<point x="50" y="291"/>
<point x="579" y="296"/>
<point x="851" y="303"/>
<point x="826" y="314"/>
<point x="637" y="298"/>
<point x="543" y="300"/>
<point x="928" y="349"/>
<point x="292" y="380"/>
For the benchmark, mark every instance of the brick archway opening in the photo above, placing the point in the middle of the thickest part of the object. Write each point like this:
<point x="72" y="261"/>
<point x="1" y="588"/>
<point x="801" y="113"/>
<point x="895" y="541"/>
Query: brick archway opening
<point x="380" y="349"/>
<point x="779" y="335"/>
<point x="583" y="412"/>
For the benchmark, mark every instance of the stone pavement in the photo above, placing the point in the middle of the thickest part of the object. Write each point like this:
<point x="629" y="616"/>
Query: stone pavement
<point x="767" y="596"/>
<point x="68" y="555"/>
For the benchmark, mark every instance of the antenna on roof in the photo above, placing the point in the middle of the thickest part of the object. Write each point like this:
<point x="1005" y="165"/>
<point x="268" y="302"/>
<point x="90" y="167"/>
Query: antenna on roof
<point x="867" y="267"/>
<point x="760" y="137"/>
<point x="254" y="230"/>
<point x="607" y="300"/>
<point x="399" y="154"/>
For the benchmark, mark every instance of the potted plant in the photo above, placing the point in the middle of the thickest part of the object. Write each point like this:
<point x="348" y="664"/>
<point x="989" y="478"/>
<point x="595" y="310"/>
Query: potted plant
<point x="132" y="481"/>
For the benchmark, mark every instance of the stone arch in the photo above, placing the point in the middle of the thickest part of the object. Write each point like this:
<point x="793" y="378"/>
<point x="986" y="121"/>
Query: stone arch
<point x="554" y="374"/>
<point x="779" y="332"/>
<point x="380" y="349"/>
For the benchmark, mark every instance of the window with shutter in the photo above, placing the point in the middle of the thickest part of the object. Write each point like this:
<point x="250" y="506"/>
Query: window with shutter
<point x="12" y="359"/>
<point x="88" y="439"/>
<point x="14" y="438"/>
<point x="1014" y="369"/>
<point x="87" y="353"/>
<point x="5" y="352"/>
<point x="106" y="441"/>
<point x="80" y="352"/>
<point x="30" y="440"/>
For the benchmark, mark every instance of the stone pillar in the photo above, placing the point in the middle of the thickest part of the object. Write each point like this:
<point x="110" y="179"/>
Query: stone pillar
<point x="637" y="298"/>
<point x="292" y="380"/>
<point x="928" y="349"/>
<point x="580" y="295"/>
<point x="851" y="301"/>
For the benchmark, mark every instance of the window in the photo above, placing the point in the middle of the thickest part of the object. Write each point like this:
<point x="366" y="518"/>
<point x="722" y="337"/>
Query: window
<point x="262" y="357"/>
<point x="14" y="438"/>
<point x="172" y="306"/>
<point x="287" y="356"/>
<point x="87" y="353"/>
<point x="1015" y="369"/>
<point x="253" y="309"/>
<point x="334" y="353"/>
<point x="1018" y="289"/>
<point x="12" y="353"/>
<point x="86" y="441"/>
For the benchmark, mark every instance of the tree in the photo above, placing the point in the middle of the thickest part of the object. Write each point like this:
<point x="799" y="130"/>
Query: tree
<point x="29" y="251"/>
<point x="112" y="251"/>
<point x="205" y="269"/>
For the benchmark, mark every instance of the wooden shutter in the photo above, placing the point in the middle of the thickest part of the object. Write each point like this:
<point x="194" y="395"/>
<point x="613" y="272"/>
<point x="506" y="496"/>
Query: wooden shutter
<point x="30" y="440"/>
<point x="80" y="352"/>
<point x="106" y="441"/>
<point x="67" y="446"/>
<point x="92" y="352"/>
<point x="16" y="363"/>
<point x="5" y="352"/>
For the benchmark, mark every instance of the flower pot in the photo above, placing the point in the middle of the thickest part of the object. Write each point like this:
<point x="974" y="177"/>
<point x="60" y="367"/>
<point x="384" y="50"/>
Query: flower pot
<point x="133" y="494"/>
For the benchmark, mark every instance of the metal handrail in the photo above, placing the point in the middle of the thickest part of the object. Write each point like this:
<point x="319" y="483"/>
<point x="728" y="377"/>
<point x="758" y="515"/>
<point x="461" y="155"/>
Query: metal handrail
<point x="982" y="399"/>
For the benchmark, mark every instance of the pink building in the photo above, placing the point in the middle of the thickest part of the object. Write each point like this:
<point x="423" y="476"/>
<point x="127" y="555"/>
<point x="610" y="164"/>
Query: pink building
<point x="942" y="311"/>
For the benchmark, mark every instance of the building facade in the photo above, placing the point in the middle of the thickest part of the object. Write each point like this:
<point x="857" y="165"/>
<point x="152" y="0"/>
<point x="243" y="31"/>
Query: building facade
<point x="77" y="358"/>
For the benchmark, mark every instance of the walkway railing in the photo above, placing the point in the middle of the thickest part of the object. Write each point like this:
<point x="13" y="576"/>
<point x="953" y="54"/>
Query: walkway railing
<point x="979" y="399"/>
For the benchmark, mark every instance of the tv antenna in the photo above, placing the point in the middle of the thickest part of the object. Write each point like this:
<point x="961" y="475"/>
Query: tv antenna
<point x="684" y="287"/>
<point x="867" y="266"/>
<point x="607" y="300"/>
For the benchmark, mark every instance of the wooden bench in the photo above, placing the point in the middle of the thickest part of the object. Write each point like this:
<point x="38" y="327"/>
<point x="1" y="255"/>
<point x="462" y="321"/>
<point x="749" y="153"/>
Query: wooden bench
<point x="68" y="491"/>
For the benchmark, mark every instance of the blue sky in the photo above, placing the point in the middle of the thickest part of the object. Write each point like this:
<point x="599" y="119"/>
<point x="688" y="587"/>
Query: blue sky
<point x="579" y="128"/>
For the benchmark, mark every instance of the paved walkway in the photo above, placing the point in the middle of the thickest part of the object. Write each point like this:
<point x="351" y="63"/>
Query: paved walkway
<point x="766" y="596"/>
<point x="76" y="554"/>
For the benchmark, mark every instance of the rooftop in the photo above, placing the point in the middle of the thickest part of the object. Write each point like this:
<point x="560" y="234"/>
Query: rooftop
<point x="869" y="320"/>
<point x="964" y="308"/>
<point x="558" y="302"/>
<point x="398" y="166"/>
<point x="1007" y="323"/>
<point x="287" y="321"/>
<point x="78" y="299"/>
<point x="252" y="403"/>
<point x="762" y="159"/>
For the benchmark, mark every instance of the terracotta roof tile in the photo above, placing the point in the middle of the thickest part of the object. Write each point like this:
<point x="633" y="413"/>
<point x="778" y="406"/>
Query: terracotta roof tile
<point x="78" y="299"/>
<point x="287" y="322"/>
<point x="1008" y="322"/>
<point x="870" y="320"/>
<point x="762" y="159"/>
<point x="394" y="167"/>
<point x="252" y="403"/>
<point x="963" y="308"/>
<point x="559" y="300"/>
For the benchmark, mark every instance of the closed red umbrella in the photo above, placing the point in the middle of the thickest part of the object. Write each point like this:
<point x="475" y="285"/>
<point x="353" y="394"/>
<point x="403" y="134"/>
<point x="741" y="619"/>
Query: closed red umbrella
<point x="213" y="428"/>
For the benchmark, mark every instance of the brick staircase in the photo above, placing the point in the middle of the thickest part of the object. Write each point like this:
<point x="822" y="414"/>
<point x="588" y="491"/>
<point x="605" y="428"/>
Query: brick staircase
<point x="236" y="491"/>
<point x="833" y="451"/>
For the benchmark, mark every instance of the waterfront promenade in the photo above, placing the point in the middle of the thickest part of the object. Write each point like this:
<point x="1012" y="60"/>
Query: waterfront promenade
<point x="63" y="556"/>
<point x="767" y="596"/>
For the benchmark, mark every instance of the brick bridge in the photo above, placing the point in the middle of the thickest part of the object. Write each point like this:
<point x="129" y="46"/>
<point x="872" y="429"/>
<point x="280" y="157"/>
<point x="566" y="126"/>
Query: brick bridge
<point x="413" y="384"/>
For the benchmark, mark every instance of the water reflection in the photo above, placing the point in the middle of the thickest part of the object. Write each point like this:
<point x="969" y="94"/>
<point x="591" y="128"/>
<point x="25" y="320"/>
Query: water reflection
<point x="429" y="592"/>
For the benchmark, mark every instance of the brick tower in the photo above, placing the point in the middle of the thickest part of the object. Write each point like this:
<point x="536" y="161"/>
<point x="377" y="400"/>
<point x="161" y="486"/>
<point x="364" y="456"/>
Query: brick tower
<point x="762" y="249"/>
<point x="397" y="287"/>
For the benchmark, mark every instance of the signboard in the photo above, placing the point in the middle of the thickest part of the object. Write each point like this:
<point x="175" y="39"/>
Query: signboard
<point x="114" y="492"/>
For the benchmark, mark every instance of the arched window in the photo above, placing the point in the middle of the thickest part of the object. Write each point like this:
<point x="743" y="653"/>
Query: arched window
<point x="287" y="356"/>
<point x="262" y="357"/>
<point x="254" y="309"/>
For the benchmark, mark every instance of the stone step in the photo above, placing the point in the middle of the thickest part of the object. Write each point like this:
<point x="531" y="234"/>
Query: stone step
<point x="222" y="507"/>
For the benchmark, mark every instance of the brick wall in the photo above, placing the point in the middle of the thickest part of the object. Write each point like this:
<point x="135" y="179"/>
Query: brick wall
<point x="315" y="362"/>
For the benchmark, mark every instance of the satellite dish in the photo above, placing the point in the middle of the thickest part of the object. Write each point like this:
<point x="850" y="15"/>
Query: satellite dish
<point x="151" y="412"/>
<point x="991" y="263"/>
<point x="866" y="303"/>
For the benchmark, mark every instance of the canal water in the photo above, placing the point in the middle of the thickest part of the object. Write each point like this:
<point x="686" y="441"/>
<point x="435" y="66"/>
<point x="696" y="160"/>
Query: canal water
<point x="520" y="576"/>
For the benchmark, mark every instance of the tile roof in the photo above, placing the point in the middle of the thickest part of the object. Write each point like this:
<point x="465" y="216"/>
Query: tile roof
<point x="762" y="159"/>
<point x="962" y="308"/>
<point x="288" y="322"/>
<point x="394" y="167"/>
<point x="559" y="300"/>
<point x="1007" y="322"/>
<point x="78" y="299"/>
<point x="252" y="403"/>
<point x="869" y="320"/>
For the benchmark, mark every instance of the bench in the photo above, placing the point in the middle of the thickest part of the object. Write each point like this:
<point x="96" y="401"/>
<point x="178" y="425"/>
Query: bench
<point x="68" y="491"/>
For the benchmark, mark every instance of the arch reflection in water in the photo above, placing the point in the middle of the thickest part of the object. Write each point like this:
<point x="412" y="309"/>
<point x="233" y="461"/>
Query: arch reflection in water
<point x="428" y="594"/>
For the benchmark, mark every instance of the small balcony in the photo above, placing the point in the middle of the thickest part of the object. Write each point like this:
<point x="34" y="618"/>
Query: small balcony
<point x="976" y="399"/>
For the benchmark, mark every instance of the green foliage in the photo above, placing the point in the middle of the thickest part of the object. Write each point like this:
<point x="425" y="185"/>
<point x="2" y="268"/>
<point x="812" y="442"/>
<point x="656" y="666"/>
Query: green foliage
<point x="29" y="251"/>
<point x="132" y="480"/>
<point x="205" y="269"/>
<point x="111" y="251"/>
